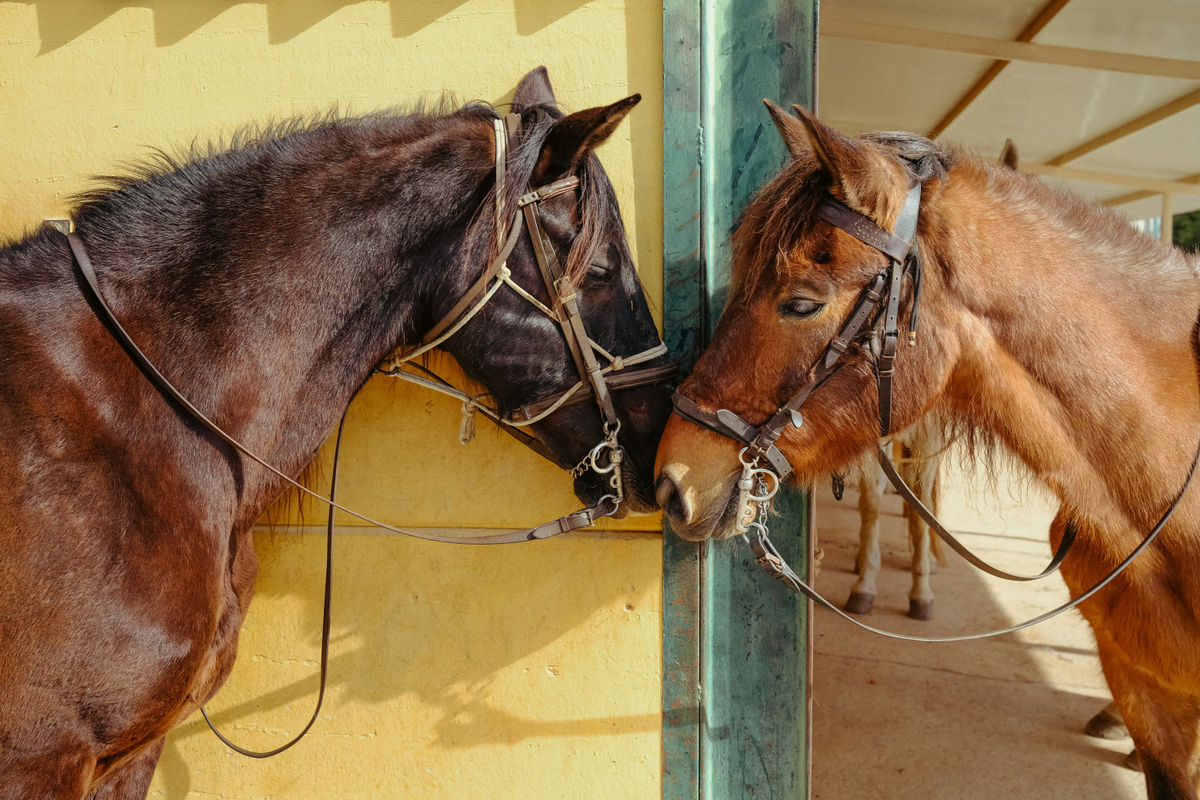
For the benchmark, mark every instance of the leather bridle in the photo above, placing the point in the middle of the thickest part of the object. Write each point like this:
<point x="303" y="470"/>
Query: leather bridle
<point x="595" y="381"/>
<point x="871" y="327"/>
<point x="605" y="458"/>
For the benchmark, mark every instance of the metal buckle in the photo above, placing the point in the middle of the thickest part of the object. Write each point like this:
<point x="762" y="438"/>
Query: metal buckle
<point x="756" y="487"/>
<point x="610" y="466"/>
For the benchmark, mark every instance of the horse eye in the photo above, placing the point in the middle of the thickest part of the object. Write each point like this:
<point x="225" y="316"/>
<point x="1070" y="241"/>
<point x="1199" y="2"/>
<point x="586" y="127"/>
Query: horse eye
<point x="822" y="257"/>
<point x="599" y="272"/>
<point x="800" y="308"/>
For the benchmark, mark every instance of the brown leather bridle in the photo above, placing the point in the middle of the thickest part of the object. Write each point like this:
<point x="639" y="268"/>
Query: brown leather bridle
<point x="871" y="327"/>
<point x="595" y="381"/>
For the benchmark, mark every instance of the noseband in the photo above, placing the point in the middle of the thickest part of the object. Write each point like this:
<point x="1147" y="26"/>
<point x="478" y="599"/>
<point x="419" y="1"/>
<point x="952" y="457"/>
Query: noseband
<point x="872" y="326"/>
<point x="594" y="381"/>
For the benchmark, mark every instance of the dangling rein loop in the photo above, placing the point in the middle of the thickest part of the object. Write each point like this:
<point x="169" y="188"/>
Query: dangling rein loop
<point x="326" y="616"/>
<point x="767" y="557"/>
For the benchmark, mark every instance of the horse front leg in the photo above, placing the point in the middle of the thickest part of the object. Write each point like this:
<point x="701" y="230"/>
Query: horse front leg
<point x="870" y="493"/>
<point x="132" y="780"/>
<point x="1164" y="725"/>
<point x="921" y="469"/>
<point x="1143" y="638"/>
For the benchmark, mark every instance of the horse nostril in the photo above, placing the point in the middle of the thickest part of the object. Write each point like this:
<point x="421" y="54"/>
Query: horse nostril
<point x="672" y="501"/>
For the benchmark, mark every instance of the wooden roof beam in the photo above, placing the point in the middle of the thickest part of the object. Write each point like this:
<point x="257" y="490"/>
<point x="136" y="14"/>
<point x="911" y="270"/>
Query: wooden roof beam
<point x="1150" y="186"/>
<point x="1133" y="126"/>
<point x="834" y="27"/>
<point x="1032" y="29"/>
<point x="1133" y="197"/>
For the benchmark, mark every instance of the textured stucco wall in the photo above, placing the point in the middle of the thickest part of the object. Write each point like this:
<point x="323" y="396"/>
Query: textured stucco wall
<point x="529" y="671"/>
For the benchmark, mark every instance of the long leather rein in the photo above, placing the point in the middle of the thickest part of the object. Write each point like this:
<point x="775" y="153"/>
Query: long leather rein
<point x="872" y="326"/>
<point x="605" y="458"/>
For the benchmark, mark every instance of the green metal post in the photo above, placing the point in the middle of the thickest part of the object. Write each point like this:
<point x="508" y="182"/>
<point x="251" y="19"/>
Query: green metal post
<point x="735" y="647"/>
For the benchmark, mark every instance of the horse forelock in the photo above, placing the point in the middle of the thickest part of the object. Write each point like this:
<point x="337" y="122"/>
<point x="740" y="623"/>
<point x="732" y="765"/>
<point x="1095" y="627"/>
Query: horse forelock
<point x="922" y="158"/>
<point x="775" y="221"/>
<point x="783" y="213"/>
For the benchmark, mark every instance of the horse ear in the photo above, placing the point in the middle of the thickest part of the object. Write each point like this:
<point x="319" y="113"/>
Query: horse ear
<point x="851" y="164"/>
<point x="574" y="135"/>
<point x="1008" y="156"/>
<point x="534" y="90"/>
<point x="793" y="132"/>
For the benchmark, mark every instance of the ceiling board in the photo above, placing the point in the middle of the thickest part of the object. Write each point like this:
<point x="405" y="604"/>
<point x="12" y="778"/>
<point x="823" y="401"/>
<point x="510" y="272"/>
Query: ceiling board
<point x="1048" y="110"/>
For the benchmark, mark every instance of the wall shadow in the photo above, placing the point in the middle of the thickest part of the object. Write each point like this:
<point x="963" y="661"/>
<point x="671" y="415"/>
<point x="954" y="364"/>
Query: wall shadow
<point x="62" y="21"/>
<point x="427" y="623"/>
<point x="410" y="17"/>
<point x="533" y="15"/>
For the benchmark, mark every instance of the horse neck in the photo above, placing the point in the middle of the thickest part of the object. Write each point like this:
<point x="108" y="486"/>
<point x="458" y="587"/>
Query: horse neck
<point x="1076" y="339"/>
<point x="272" y="296"/>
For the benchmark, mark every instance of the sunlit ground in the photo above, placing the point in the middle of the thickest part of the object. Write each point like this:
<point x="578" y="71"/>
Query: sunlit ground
<point x="998" y="718"/>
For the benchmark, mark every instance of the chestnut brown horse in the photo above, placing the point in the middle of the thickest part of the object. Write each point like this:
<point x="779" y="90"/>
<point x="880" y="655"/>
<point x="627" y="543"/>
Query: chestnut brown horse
<point x="1047" y="324"/>
<point x="267" y="283"/>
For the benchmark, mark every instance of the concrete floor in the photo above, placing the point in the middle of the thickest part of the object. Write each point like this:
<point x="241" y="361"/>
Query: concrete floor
<point x="999" y="718"/>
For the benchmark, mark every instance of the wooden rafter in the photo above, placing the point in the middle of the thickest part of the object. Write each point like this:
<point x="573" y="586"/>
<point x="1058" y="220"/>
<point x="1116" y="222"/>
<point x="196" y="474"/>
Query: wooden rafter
<point x="835" y="24"/>
<point x="1133" y="126"/>
<point x="1133" y="197"/>
<point x="1151" y="186"/>
<point x="1011" y="51"/>
<point x="1032" y="29"/>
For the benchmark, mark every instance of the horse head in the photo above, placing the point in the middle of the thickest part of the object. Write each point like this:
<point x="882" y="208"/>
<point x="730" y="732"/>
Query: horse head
<point x="531" y="361"/>
<point x="797" y="279"/>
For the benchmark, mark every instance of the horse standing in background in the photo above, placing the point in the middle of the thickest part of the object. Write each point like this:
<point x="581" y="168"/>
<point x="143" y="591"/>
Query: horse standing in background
<point x="922" y="448"/>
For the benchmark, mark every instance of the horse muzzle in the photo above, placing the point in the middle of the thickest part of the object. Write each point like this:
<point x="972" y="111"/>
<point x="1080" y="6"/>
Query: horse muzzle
<point x="696" y="480"/>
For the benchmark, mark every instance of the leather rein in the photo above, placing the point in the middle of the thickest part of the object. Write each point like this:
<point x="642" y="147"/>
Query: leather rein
<point x="872" y="327"/>
<point x="605" y="458"/>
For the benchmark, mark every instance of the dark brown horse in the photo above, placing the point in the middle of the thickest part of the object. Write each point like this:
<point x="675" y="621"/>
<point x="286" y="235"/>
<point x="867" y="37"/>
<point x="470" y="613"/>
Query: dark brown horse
<point x="1047" y="324"/>
<point x="266" y="282"/>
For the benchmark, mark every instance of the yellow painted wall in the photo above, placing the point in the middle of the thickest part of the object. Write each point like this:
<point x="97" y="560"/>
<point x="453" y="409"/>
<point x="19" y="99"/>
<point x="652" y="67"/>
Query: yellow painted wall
<point x="528" y="671"/>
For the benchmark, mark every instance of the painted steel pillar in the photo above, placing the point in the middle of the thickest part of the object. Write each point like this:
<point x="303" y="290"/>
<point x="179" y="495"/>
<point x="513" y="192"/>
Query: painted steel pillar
<point x="736" y="643"/>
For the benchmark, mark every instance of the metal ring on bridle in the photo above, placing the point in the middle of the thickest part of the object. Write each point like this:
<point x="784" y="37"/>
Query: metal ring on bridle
<point x="760" y="476"/>
<point x="592" y="459"/>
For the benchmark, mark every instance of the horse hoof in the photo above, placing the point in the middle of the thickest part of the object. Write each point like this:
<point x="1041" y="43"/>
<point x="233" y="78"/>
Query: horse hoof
<point x="860" y="603"/>
<point x="1106" y="725"/>
<point x="920" y="609"/>
<point x="1133" y="762"/>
